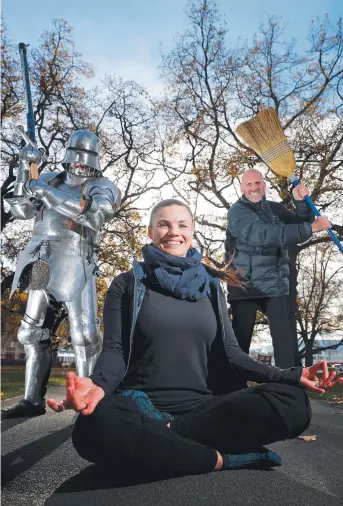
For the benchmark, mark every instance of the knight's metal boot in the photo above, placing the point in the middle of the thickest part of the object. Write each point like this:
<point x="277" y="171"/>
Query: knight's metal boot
<point x="38" y="367"/>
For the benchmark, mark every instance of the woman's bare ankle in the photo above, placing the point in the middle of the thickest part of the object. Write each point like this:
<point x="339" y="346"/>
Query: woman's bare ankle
<point x="219" y="463"/>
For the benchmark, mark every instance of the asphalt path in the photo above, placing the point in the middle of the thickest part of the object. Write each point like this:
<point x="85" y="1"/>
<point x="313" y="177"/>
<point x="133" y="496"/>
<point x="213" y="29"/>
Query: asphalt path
<point x="40" y="467"/>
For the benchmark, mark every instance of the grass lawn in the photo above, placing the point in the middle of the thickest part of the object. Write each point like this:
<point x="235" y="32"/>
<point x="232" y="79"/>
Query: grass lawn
<point x="331" y="395"/>
<point x="12" y="380"/>
<point x="12" y="384"/>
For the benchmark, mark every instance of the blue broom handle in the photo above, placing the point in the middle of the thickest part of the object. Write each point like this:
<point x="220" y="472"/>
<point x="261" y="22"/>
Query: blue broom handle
<point x="309" y="202"/>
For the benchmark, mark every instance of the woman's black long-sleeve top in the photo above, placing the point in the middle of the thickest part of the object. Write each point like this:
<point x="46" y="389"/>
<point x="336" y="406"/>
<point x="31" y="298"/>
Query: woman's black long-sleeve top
<point x="226" y="361"/>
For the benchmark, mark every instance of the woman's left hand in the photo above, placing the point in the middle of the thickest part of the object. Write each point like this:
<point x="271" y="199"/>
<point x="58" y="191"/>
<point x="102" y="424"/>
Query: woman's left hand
<point x="310" y="380"/>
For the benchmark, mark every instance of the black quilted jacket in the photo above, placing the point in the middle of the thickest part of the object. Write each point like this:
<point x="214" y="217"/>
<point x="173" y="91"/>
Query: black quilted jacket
<point x="257" y="239"/>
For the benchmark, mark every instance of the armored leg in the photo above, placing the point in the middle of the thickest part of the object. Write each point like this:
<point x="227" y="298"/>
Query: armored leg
<point x="82" y="313"/>
<point x="36" y="341"/>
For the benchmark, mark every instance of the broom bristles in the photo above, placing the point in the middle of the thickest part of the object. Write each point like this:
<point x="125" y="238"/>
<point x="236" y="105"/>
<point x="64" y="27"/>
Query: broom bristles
<point x="265" y="136"/>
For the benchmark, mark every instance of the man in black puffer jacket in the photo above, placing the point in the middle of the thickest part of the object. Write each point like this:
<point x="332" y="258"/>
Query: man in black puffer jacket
<point x="258" y="236"/>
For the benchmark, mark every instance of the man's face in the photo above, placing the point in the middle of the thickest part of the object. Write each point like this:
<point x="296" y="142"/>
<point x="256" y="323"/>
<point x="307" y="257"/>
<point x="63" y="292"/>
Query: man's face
<point x="253" y="186"/>
<point x="172" y="230"/>
<point x="81" y="169"/>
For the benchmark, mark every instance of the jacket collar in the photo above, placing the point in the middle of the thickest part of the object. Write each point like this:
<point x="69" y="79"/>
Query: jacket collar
<point x="254" y="205"/>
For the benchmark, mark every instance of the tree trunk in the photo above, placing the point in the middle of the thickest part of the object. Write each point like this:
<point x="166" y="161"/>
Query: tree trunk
<point x="6" y="283"/>
<point x="309" y="354"/>
<point x="6" y="189"/>
<point x="292" y="301"/>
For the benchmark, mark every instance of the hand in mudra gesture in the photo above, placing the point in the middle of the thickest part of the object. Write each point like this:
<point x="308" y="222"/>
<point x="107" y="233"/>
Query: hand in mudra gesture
<point x="311" y="381"/>
<point x="82" y="395"/>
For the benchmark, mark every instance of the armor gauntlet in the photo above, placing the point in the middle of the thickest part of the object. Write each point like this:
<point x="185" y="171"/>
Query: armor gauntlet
<point x="21" y="207"/>
<point x="100" y="201"/>
<point x="27" y="155"/>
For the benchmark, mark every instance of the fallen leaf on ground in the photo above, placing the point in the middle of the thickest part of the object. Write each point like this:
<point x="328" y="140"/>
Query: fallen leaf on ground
<point x="339" y="412"/>
<point x="308" y="438"/>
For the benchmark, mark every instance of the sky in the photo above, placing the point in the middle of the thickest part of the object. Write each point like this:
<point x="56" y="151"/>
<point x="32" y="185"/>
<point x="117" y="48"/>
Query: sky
<point x="125" y="36"/>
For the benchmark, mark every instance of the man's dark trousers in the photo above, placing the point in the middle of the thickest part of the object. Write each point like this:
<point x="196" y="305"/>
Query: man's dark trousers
<point x="276" y="309"/>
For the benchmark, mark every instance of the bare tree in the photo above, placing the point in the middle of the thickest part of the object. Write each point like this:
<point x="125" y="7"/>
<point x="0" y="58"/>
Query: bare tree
<point x="319" y="315"/>
<point x="211" y="88"/>
<point x="120" y="113"/>
<point x="60" y="103"/>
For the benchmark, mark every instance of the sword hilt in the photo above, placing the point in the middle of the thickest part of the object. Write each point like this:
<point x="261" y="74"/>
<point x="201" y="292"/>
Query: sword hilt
<point x="30" y="142"/>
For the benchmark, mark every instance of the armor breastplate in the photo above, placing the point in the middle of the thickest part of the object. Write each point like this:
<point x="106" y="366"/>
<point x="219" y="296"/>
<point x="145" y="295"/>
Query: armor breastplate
<point x="50" y="223"/>
<point x="68" y="250"/>
<point x="61" y="255"/>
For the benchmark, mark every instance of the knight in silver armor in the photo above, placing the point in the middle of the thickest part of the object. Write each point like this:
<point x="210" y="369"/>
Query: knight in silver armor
<point x="60" y="261"/>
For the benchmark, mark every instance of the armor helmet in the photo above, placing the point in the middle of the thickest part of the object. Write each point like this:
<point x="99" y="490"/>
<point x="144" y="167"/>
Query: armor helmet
<point x="82" y="155"/>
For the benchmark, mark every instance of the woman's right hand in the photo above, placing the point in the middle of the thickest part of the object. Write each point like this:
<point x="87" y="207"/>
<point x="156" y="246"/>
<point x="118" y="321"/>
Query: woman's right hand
<point x="311" y="381"/>
<point x="82" y="395"/>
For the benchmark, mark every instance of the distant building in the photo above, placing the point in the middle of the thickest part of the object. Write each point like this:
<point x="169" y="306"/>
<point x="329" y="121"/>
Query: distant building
<point x="329" y="355"/>
<point x="13" y="351"/>
<point x="335" y="356"/>
<point x="65" y="357"/>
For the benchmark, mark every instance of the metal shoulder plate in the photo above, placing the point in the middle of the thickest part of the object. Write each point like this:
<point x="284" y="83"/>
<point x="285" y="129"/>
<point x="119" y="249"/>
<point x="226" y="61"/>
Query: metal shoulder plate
<point x="103" y="188"/>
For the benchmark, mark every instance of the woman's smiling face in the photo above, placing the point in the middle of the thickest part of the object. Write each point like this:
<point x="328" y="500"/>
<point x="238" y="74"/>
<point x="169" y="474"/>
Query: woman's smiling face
<point x="172" y="230"/>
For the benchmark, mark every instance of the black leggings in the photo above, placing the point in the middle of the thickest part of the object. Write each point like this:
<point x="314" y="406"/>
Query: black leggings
<point x="237" y="422"/>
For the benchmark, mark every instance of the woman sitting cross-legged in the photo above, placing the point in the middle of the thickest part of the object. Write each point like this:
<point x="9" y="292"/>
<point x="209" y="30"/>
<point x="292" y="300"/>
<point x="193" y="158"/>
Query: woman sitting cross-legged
<point x="162" y="392"/>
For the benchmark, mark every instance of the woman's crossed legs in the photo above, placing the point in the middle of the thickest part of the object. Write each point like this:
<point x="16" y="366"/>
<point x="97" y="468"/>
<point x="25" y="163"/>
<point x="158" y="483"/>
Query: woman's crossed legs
<point x="238" y="422"/>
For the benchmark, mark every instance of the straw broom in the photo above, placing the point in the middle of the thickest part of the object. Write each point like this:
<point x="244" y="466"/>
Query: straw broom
<point x="265" y="136"/>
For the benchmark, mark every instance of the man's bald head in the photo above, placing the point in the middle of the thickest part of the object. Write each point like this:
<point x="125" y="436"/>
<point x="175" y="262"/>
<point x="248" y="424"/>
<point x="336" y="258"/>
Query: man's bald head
<point x="253" y="186"/>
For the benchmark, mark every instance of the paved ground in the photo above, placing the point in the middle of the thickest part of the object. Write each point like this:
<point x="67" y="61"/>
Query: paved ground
<point x="40" y="467"/>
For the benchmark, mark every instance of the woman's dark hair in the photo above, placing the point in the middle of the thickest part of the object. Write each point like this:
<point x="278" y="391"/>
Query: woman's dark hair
<point x="227" y="274"/>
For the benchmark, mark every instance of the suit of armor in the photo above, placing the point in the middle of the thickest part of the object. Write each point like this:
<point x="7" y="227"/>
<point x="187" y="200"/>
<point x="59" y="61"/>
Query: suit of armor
<point x="59" y="263"/>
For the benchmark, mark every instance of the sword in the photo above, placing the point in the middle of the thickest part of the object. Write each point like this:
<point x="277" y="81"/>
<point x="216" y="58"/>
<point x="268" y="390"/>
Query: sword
<point x="30" y="136"/>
